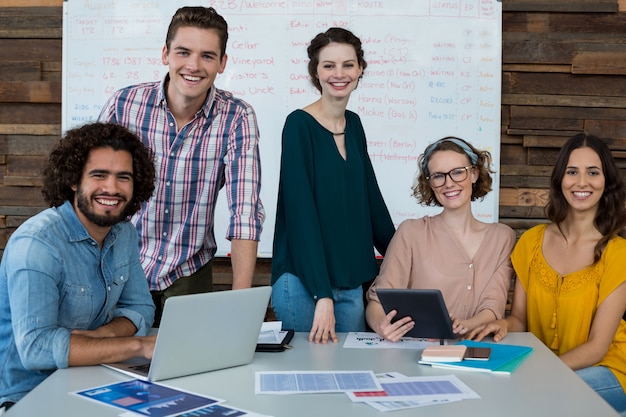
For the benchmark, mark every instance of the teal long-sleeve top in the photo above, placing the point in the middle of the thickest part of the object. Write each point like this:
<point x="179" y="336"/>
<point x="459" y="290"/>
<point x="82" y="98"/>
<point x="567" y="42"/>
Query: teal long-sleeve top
<point x="330" y="212"/>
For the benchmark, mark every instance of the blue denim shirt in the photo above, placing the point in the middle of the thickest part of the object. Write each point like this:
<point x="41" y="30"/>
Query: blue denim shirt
<point x="54" y="278"/>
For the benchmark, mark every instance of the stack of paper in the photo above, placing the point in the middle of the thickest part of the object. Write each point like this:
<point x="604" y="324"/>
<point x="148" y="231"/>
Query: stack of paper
<point x="504" y="358"/>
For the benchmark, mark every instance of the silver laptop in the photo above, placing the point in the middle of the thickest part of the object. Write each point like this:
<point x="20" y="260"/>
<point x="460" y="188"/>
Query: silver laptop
<point x="203" y="332"/>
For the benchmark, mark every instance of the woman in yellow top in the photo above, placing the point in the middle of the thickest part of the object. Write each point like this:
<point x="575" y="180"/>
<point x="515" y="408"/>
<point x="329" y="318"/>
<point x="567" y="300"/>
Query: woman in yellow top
<point x="571" y="286"/>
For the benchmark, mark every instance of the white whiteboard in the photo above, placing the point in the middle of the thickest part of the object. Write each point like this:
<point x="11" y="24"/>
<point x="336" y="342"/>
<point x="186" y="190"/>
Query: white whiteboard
<point x="434" y="69"/>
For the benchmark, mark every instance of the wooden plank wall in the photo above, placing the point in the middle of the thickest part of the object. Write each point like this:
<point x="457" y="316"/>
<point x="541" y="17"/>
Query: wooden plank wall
<point x="30" y="103"/>
<point x="563" y="72"/>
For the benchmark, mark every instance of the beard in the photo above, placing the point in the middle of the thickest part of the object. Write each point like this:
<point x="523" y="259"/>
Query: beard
<point x="102" y="220"/>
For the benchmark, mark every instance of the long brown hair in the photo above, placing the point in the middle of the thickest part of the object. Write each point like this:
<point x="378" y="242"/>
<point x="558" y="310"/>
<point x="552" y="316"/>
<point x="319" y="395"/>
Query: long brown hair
<point x="610" y="218"/>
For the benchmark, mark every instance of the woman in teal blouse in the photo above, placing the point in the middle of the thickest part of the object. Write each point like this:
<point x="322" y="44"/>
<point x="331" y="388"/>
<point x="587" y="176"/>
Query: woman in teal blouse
<point x="331" y="214"/>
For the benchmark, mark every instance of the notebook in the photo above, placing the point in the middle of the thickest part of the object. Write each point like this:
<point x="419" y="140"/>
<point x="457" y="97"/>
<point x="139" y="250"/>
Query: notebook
<point x="426" y="307"/>
<point x="203" y="332"/>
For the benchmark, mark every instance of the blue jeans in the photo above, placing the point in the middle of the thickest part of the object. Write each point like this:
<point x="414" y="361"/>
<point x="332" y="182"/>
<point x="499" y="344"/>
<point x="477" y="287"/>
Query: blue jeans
<point x="295" y="307"/>
<point x="602" y="380"/>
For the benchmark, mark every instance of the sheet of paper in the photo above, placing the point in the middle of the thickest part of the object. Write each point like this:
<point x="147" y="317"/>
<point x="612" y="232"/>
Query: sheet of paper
<point x="429" y="388"/>
<point x="384" y="406"/>
<point x="147" y="398"/>
<point x="271" y="332"/>
<point x="403" y="405"/>
<point x="370" y="340"/>
<point x="311" y="382"/>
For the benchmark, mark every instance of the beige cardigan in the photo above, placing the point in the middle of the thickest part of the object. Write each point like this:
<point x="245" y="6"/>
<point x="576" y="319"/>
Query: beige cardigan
<point x="425" y="254"/>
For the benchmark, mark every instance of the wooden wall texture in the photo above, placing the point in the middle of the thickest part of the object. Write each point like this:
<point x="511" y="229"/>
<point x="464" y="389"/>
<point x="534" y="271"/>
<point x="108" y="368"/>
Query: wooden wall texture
<point x="564" y="67"/>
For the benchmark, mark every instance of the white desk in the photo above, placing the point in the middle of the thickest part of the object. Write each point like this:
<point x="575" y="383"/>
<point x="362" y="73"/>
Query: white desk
<point x="542" y="386"/>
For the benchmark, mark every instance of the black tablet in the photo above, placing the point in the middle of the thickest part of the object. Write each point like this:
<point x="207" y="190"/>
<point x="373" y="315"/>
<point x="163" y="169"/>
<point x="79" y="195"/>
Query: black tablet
<point x="425" y="307"/>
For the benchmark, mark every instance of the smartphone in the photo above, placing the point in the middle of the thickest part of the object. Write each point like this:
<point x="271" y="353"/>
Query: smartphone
<point x="477" y="353"/>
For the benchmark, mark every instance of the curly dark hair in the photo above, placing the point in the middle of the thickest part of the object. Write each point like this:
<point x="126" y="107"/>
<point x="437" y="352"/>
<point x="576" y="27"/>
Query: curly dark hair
<point x="67" y="160"/>
<point x="198" y="17"/>
<point x="422" y="190"/>
<point x="337" y="35"/>
<point x="610" y="219"/>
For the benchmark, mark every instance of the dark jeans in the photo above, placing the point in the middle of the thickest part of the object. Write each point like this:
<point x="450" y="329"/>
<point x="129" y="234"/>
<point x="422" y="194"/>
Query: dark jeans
<point x="198" y="282"/>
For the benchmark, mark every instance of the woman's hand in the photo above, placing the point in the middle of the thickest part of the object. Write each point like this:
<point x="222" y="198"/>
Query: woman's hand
<point x="323" y="327"/>
<point x="459" y="327"/>
<point x="499" y="329"/>
<point x="394" y="331"/>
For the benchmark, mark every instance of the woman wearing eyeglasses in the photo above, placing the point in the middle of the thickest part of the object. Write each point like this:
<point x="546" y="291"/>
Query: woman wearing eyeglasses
<point x="468" y="260"/>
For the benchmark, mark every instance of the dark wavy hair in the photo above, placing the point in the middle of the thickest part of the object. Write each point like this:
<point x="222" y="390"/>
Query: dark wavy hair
<point x="337" y="35"/>
<point x="422" y="190"/>
<point x="65" y="165"/>
<point x="198" y="17"/>
<point x="610" y="219"/>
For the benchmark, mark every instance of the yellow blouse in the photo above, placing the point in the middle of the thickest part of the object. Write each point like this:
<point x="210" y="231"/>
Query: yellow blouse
<point x="560" y="309"/>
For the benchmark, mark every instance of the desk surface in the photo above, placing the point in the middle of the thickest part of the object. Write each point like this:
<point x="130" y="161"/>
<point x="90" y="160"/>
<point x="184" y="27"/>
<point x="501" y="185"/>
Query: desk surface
<point x="542" y="386"/>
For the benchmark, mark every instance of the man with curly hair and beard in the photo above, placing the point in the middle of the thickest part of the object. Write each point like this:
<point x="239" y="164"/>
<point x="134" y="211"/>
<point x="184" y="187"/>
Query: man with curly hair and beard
<point x="72" y="289"/>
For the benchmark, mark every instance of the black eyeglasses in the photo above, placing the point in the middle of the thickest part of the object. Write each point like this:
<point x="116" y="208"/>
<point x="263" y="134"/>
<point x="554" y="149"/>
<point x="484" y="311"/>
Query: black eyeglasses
<point x="438" y="179"/>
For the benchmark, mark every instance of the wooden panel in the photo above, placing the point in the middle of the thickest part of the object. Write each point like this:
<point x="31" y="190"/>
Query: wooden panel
<point x="523" y="196"/>
<point x="563" y="100"/>
<point x="510" y="140"/>
<point x="554" y="48"/>
<point x="51" y="71"/>
<point x="20" y="70"/>
<point x="522" y="223"/>
<point x="531" y="141"/>
<point x="504" y="115"/>
<point x="526" y="132"/>
<point x="16" y="114"/>
<point x="581" y="25"/>
<point x="31" y="49"/>
<point x="512" y="155"/>
<point x="546" y="123"/>
<point x="527" y="181"/>
<point x="534" y="49"/>
<point x="528" y="212"/>
<point x="28" y="144"/>
<point x="31" y="129"/>
<point x="23" y="181"/>
<point x="565" y="84"/>
<point x="526" y="170"/>
<point x="31" y="3"/>
<point x="525" y="22"/>
<point x="572" y="26"/>
<point x="14" y="221"/>
<point x="536" y="68"/>
<point x="613" y="141"/>
<point x="599" y="63"/>
<point x="20" y="212"/>
<point x="24" y="166"/>
<point x="614" y="129"/>
<point x="560" y="5"/>
<point x="30" y="92"/>
<point x="542" y="156"/>
<point x="558" y="112"/>
<point x="21" y="196"/>
<point x="31" y="22"/>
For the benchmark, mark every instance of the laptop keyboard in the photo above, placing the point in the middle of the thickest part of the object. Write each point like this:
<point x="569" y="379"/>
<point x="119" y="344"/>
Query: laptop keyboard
<point x="141" y="368"/>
